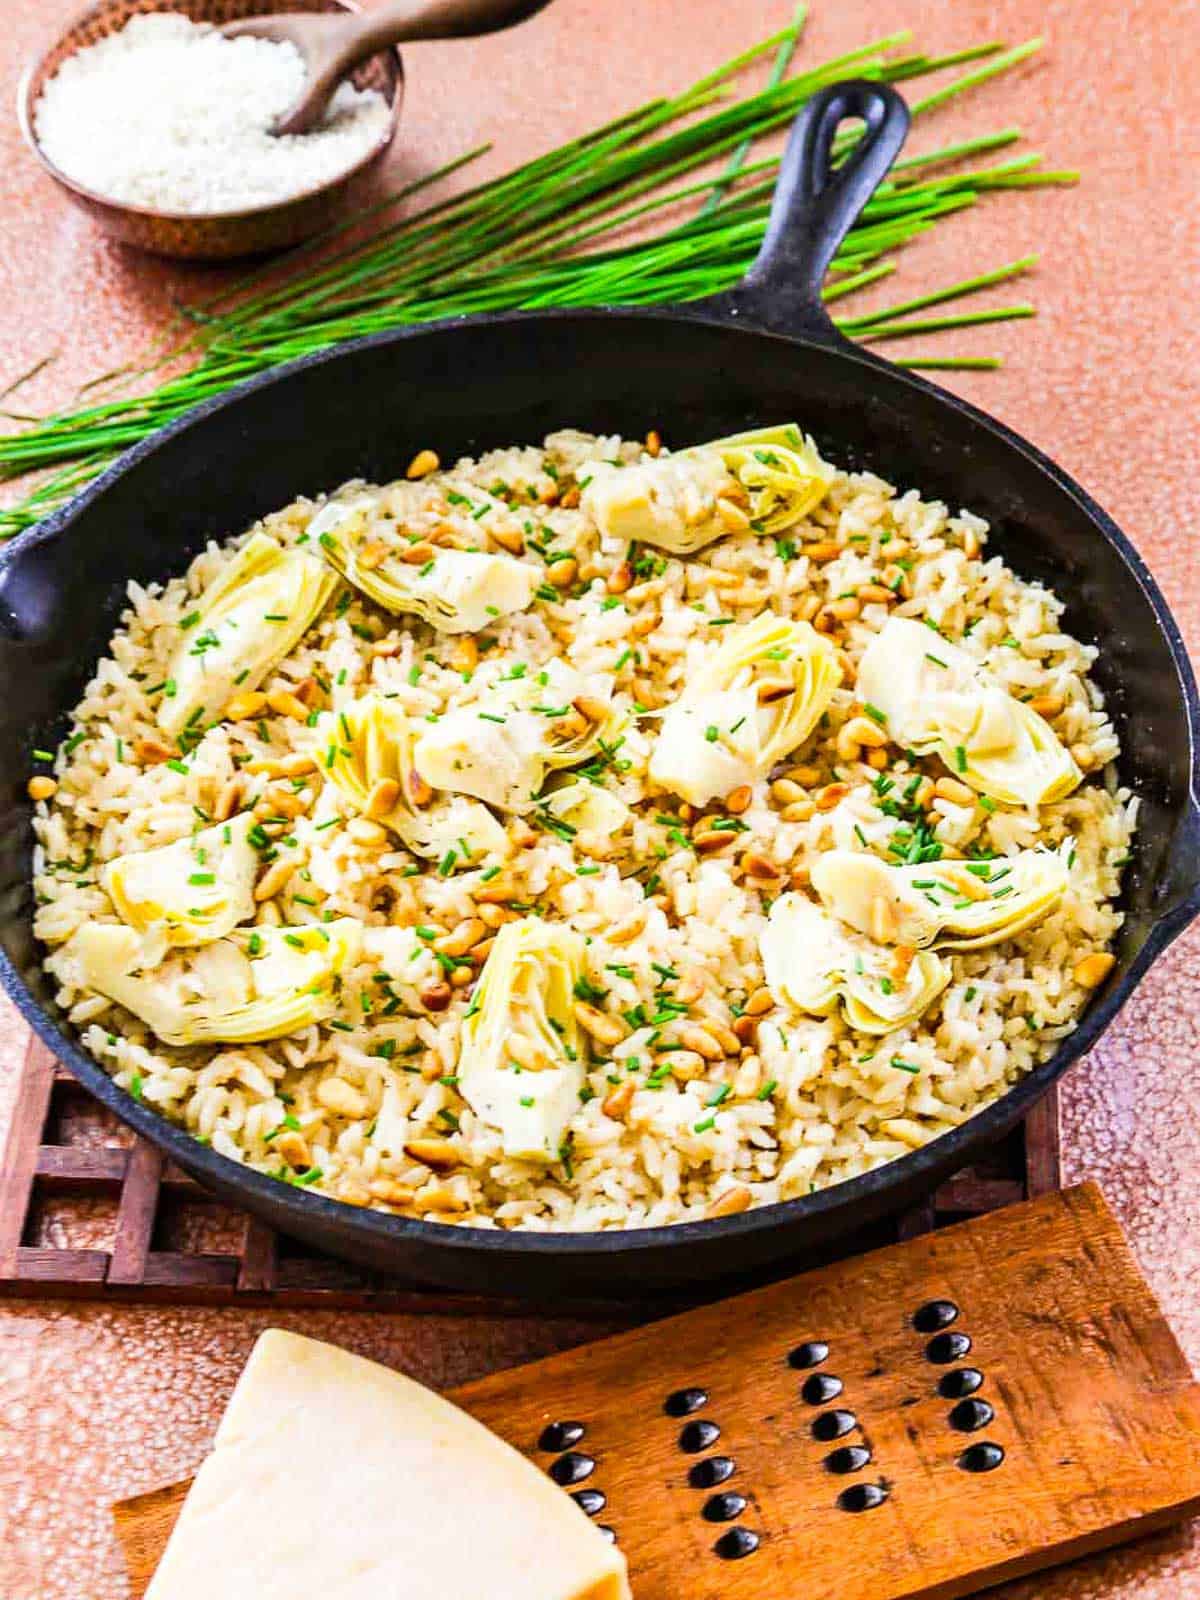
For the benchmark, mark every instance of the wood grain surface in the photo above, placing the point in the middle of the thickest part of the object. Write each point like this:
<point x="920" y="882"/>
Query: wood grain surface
<point x="1091" y="1404"/>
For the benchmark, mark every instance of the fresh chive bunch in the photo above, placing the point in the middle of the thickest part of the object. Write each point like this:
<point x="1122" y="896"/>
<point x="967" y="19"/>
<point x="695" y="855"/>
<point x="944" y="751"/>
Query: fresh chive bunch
<point x="556" y="232"/>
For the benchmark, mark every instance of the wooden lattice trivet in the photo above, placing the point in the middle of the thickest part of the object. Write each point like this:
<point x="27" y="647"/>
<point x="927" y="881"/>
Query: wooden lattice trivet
<point x="87" y="1210"/>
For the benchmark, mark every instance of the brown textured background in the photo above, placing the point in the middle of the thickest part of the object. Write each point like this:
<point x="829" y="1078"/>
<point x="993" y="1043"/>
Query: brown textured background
<point x="98" y="1402"/>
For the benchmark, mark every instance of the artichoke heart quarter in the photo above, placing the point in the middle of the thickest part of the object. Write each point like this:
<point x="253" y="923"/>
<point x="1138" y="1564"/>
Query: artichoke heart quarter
<point x="366" y="752"/>
<point x="249" y="618"/>
<point x="290" y="981"/>
<point x="757" y="698"/>
<point x="814" y="965"/>
<point x="522" y="1058"/>
<point x="765" y="480"/>
<point x="950" y="905"/>
<point x="937" y="699"/>
<point x="193" y="891"/>
<point x="501" y="747"/>
<point x="454" y="591"/>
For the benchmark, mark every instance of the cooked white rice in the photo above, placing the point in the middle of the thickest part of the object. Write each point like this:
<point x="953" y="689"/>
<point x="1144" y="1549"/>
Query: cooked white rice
<point x="799" y="1103"/>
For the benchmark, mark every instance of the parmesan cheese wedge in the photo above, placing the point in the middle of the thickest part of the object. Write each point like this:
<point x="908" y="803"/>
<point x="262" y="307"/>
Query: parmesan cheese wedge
<point x="336" y="1477"/>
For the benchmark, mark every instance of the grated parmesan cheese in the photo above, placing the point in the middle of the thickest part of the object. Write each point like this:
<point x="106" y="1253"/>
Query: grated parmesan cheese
<point x="171" y="115"/>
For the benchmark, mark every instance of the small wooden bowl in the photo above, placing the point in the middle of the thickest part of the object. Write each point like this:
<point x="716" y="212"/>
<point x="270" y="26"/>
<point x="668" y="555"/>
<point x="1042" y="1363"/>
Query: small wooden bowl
<point x="214" y="236"/>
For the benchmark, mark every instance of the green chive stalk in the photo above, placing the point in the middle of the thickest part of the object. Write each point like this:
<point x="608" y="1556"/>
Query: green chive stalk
<point x="629" y="213"/>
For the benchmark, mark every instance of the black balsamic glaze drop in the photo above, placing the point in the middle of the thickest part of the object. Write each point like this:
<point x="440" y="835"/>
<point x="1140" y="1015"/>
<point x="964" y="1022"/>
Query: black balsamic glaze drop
<point x="862" y="1497"/>
<point x="820" y="1389"/>
<point x="946" y="1347"/>
<point x="849" y="1458"/>
<point x="698" y="1435"/>
<point x="735" y="1544"/>
<point x="969" y="1416"/>
<point x="981" y="1457"/>
<point x="958" y="1385"/>
<point x="558" y="1436"/>
<point x="809" y="1354"/>
<point x="723" y="1507"/>
<point x="832" y="1425"/>
<point x="935" y="1315"/>
<point x="574" y="1467"/>
<point x="590" y="1501"/>
<point x="709" y="1473"/>
<point x="682" y="1402"/>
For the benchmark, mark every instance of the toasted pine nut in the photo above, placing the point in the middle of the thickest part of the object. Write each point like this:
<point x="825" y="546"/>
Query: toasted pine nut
<point x="494" y="916"/>
<point x="806" y="607"/>
<point x="364" y="832"/>
<point x="807" y="776"/>
<point x="745" y="1029"/>
<point x="439" y="1154"/>
<point x="342" y="1098"/>
<point x="462" y="938"/>
<point x="494" y="894"/>
<point x="1092" y="970"/>
<point x="293" y="1147"/>
<point x="710" y="840"/>
<point x="683" y="1065"/>
<point x="508" y="538"/>
<point x="800" y="875"/>
<point x="41" y="788"/>
<point x="693" y="1037"/>
<point x="391" y="1192"/>
<point x="521" y="834"/>
<point x="639" y="627"/>
<point x="822" y="550"/>
<point x="273" y="879"/>
<point x="562" y="574"/>
<point x="653" y="442"/>
<point x="620" y="579"/>
<point x="465" y="655"/>
<point x="846" y="745"/>
<point x="416" y="555"/>
<point x="436" y="997"/>
<point x="442" y="1201"/>
<point x="383" y="797"/>
<point x="734" y="518"/>
<point x="151" y="752"/>
<point x="617" y="1101"/>
<point x="957" y="793"/>
<point x="876" y="592"/>
<point x="372" y="555"/>
<point x="1085" y="760"/>
<point x="831" y="795"/>
<point x="386" y="647"/>
<point x="594" y="710"/>
<point x="757" y="865"/>
<point x="480" y="952"/>
<point x="293" y="766"/>
<point x="864" y="730"/>
<point x="798" y="811"/>
<point x="461" y="977"/>
<point x="689" y="988"/>
<point x="243" y="707"/>
<point x="845" y="609"/>
<point x="731" y="1202"/>
<point x="759" y="1002"/>
<point x="603" y="1028"/>
<point x="419" y="791"/>
<point x="786" y="791"/>
<point x="1046" y="705"/>
<point x="422" y="464"/>
<point x="877" y="759"/>
<point x="287" y="704"/>
<point x="923" y="793"/>
<point x="284" y="802"/>
<point x="738" y="800"/>
<point x="749" y="1074"/>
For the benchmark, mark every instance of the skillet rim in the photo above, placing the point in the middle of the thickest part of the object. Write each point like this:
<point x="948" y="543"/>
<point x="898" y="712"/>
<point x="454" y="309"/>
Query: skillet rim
<point x="943" y="1154"/>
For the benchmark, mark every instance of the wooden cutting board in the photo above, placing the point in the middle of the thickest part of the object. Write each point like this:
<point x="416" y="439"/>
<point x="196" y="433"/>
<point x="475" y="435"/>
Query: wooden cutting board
<point x="936" y="1417"/>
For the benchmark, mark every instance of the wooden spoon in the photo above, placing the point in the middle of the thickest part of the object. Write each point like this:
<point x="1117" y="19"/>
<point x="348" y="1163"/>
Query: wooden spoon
<point x="333" y="44"/>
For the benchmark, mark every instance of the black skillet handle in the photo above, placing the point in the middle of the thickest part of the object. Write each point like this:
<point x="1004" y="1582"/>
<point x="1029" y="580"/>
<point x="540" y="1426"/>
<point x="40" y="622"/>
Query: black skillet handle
<point x="815" y="207"/>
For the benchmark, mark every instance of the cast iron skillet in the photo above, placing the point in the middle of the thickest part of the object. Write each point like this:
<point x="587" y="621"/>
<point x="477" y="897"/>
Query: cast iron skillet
<point x="763" y="353"/>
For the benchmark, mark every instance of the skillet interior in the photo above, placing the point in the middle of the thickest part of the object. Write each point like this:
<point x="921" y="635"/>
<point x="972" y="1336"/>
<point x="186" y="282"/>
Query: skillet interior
<point x="463" y="388"/>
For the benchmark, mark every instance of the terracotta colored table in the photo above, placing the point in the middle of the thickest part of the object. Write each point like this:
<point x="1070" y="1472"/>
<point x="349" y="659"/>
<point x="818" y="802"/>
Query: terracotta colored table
<point x="97" y="1402"/>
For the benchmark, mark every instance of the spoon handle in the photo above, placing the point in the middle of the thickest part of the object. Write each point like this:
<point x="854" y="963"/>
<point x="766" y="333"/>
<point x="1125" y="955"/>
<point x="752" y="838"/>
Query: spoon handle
<point x="401" y="21"/>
